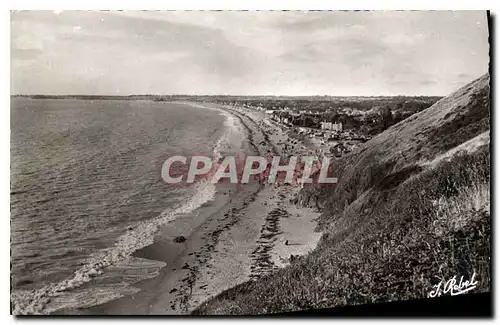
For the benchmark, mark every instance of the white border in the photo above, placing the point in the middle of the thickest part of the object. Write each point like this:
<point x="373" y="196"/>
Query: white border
<point x="257" y="5"/>
<point x="180" y="5"/>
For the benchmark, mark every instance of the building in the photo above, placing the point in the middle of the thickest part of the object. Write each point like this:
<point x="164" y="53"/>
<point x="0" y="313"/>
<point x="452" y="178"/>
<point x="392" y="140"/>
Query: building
<point x="326" y="125"/>
<point x="331" y="126"/>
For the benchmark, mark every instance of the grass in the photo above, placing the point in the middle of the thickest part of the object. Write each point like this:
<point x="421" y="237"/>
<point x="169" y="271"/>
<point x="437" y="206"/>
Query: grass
<point x="395" y="243"/>
<point x="471" y="122"/>
<point x="393" y="226"/>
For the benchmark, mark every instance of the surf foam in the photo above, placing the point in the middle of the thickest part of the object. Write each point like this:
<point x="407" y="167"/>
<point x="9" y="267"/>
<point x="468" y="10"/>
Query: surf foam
<point x="35" y="301"/>
<point x="142" y="235"/>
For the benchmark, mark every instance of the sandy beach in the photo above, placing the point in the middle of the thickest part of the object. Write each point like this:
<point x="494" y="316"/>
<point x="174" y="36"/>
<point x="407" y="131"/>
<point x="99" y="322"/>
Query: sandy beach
<point x="244" y="233"/>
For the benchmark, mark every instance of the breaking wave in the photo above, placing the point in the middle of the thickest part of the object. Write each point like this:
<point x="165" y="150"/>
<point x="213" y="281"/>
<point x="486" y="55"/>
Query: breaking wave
<point x="142" y="235"/>
<point x="54" y="296"/>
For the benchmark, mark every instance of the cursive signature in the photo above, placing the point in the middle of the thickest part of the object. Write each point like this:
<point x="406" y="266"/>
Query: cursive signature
<point x="452" y="287"/>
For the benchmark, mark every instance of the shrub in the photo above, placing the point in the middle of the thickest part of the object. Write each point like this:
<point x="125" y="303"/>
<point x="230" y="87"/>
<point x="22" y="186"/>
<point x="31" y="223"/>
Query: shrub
<point x="393" y="241"/>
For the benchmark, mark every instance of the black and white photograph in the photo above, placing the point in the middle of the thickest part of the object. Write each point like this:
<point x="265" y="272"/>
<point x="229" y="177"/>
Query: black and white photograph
<point x="174" y="162"/>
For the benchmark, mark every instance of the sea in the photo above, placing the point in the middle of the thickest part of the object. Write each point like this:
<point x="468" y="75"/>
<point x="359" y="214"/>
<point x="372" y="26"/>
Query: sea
<point x="86" y="192"/>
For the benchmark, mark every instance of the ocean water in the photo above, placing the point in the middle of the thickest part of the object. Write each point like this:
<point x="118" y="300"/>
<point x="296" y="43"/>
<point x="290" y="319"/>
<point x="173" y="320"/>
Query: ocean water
<point x="86" y="192"/>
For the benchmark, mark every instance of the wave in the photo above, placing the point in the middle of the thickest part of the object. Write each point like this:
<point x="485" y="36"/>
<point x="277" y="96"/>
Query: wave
<point x="227" y="141"/>
<point x="142" y="235"/>
<point x="37" y="301"/>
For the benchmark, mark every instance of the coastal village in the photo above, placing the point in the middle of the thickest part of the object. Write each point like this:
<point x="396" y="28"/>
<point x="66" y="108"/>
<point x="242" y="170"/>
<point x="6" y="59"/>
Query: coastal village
<point x="329" y="138"/>
<point x="332" y="126"/>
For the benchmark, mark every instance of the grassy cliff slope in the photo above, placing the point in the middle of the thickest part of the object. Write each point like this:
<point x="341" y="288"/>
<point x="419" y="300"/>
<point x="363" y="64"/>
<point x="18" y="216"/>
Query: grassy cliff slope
<point x="411" y="209"/>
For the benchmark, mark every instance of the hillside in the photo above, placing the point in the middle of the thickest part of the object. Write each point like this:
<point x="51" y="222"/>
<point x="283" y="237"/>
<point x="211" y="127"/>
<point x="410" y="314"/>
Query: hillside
<point x="411" y="209"/>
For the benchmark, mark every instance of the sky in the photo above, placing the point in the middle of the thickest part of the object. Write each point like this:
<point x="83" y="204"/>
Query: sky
<point x="363" y="53"/>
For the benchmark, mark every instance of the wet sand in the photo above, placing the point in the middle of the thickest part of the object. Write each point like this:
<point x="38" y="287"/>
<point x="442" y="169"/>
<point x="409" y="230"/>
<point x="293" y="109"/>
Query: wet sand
<point x="247" y="231"/>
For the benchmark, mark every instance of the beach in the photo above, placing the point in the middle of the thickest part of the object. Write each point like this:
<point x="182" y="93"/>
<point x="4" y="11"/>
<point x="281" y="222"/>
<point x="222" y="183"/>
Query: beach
<point x="245" y="232"/>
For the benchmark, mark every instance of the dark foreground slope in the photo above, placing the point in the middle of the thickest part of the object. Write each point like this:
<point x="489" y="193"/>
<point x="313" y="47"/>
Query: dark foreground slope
<point x="411" y="209"/>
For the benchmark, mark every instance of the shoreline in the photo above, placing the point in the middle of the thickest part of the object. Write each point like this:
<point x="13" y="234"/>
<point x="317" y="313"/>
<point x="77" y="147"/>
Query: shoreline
<point x="244" y="233"/>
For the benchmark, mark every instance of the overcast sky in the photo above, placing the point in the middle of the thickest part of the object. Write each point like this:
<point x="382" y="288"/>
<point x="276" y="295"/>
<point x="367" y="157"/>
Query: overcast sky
<point x="267" y="53"/>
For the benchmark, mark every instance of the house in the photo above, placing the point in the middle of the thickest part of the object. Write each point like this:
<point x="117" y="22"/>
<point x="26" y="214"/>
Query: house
<point x="326" y="125"/>
<point x="331" y="126"/>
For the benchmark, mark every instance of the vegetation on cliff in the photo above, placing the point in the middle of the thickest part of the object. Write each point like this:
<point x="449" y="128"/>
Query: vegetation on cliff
<point x="411" y="209"/>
